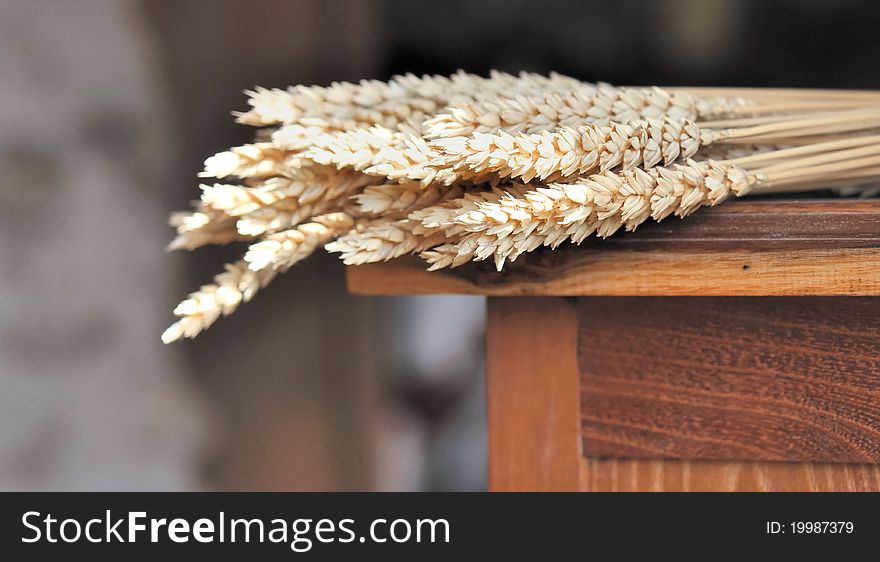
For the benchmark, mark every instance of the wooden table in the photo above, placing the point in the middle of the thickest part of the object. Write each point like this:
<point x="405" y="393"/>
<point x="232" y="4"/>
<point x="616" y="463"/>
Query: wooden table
<point x="738" y="349"/>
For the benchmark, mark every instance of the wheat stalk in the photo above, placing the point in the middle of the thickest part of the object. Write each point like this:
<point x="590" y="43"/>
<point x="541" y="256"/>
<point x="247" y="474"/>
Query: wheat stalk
<point x="554" y="155"/>
<point x="569" y="152"/>
<point x="603" y="203"/>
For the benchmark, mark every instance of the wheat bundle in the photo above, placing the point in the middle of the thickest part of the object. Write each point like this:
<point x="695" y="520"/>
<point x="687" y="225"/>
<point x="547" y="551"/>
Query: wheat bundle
<point x="466" y="168"/>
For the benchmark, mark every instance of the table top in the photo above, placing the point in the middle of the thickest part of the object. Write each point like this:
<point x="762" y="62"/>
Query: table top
<point x="762" y="246"/>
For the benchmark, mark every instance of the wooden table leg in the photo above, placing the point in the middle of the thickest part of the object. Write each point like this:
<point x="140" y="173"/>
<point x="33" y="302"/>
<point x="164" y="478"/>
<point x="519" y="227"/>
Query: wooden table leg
<point x="533" y="394"/>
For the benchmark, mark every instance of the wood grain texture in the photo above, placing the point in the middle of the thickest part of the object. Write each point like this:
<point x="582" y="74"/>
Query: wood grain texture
<point x="642" y="475"/>
<point x="784" y="379"/>
<point x="749" y="248"/>
<point x="532" y="394"/>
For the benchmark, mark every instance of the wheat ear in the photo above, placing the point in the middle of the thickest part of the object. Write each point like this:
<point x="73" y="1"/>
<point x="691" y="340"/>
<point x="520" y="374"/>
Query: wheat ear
<point x="312" y="193"/>
<point x="228" y="213"/>
<point x="601" y="105"/>
<point x="380" y="152"/>
<point x="259" y="160"/>
<point x="387" y="237"/>
<point x="567" y="151"/>
<point x="601" y="204"/>
<point x="384" y="239"/>
<point x="235" y="285"/>
<point x="200" y="228"/>
<point x="281" y="250"/>
<point x="392" y="199"/>
<point x="240" y="281"/>
<point x="272" y="219"/>
<point x="404" y="98"/>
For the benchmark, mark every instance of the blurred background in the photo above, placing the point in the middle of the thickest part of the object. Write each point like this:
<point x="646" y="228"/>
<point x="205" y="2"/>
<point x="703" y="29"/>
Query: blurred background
<point x="109" y="108"/>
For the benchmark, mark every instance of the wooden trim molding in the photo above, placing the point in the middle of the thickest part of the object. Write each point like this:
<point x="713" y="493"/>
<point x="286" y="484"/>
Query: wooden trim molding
<point x="742" y="248"/>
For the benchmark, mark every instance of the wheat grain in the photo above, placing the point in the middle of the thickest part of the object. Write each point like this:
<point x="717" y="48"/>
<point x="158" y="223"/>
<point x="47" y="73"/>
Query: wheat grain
<point x="281" y="203"/>
<point x="443" y="215"/>
<point x="445" y="255"/>
<point x="268" y="220"/>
